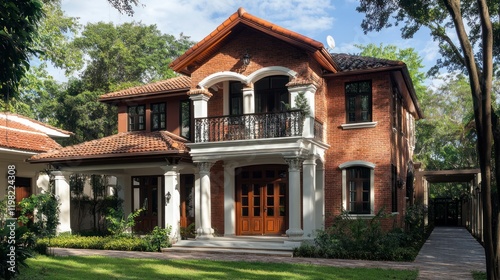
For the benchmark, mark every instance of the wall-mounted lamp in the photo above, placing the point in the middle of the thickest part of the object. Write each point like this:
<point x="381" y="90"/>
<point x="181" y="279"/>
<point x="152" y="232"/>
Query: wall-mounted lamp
<point x="246" y="58"/>
<point x="168" y="196"/>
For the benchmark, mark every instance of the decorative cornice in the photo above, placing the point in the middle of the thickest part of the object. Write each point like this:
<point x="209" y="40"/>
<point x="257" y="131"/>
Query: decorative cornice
<point x="204" y="167"/>
<point x="198" y="91"/>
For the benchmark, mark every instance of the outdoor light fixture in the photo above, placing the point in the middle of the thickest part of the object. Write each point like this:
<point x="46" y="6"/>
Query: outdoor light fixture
<point x="168" y="196"/>
<point x="246" y="58"/>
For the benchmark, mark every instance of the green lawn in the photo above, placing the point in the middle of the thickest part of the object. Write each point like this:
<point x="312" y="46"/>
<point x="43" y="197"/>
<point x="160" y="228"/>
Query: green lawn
<point x="95" y="267"/>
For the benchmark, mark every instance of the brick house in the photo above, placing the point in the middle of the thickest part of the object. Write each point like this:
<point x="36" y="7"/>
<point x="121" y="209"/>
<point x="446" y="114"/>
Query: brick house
<point x="227" y="145"/>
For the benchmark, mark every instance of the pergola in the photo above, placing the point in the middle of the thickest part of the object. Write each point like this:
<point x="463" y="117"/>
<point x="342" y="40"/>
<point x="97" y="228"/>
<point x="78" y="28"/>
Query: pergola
<point x="472" y="210"/>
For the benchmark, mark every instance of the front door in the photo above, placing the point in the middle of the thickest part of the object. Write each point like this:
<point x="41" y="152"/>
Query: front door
<point x="146" y="195"/>
<point x="23" y="190"/>
<point x="261" y="200"/>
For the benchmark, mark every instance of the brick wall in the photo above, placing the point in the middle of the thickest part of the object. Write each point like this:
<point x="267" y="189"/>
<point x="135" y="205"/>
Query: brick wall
<point x="217" y="195"/>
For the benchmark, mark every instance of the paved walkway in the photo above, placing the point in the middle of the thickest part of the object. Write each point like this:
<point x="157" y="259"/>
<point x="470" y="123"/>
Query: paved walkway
<point x="449" y="253"/>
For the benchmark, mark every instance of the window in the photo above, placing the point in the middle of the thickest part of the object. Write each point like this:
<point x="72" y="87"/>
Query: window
<point x="358" y="102"/>
<point x="358" y="194"/>
<point x="271" y="94"/>
<point x="136" y="118"/>
<point x="158" y="116"/>
<point x="358" y="183"/>
<point x="235" y="98"/>
<point x="394" y="188"/>
<point x="185" y="118"/>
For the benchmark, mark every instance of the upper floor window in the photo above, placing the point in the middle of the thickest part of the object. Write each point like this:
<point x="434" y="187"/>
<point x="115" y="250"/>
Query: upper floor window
<point x="358" y="101"/>
<point x="158" y="116"/>
<point x="271" y="94"/>
<point x="235" y="98"/>
<point x="136" y="117"/>
<point x="185" y="118"/>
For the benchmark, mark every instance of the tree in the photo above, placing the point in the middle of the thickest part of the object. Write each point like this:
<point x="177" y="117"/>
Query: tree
<point x="18" y="22"/>
<point x="472" y="52"/>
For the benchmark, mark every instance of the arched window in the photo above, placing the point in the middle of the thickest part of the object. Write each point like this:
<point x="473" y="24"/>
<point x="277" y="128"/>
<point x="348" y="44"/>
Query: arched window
<point x="271" y="94"/>
<point x="358" y="187"/>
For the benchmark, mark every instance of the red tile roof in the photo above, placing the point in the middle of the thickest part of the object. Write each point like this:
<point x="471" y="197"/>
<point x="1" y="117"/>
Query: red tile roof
<point x="242" y="17"/>
<point x="121" y="144"/>
<point x="24" y="134"/>
<point x="165" y="86"/>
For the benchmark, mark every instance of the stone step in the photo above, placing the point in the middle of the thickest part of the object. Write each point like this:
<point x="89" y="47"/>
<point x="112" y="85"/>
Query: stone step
<point x="262" y="246"/>
<point x="214" y="250"/>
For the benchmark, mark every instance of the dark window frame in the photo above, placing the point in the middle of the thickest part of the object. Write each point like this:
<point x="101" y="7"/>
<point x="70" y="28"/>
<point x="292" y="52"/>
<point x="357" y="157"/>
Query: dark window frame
<point x="354" y="111"/>
<point x="134" y="118"/>
<point x="235" y="94"/>
<point x="162" y="116"/>
<point x="357" y="178"/>
<point x="271" y="94"/>
<point x="181" y="119"/>
<point x="394" y="188"/>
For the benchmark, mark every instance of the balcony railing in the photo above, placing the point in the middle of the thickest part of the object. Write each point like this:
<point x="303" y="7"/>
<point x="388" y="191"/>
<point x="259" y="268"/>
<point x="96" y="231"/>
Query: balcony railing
<point x="249" y="126"/>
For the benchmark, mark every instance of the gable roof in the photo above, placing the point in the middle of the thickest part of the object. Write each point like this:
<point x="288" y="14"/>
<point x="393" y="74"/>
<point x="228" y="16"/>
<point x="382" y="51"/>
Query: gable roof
<point x="212" y="42"/>
<point x="123" y="144"/>
<point x="175" y="84"/>
<point x="25" y="135"/>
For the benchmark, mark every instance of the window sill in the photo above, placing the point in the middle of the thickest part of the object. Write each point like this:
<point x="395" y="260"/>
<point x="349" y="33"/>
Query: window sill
<point x="358" y="125"/>
<point x="362" y="216"/>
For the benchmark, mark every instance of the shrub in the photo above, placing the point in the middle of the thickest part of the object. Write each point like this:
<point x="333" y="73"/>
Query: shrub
<point x="46" y="219"/>
<point x="22" y="249"/>
<point x="158" y="238"/>
<point x="188" y="232"/>
<point x="350" y="238"/>
<point x="123" y="243"/>
<point x="117" y="224"/>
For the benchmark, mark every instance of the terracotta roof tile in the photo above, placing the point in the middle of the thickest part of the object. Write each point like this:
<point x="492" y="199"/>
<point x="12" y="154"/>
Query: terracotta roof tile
<point x="173" y="84"/>
<point x="125" y="143"/>
<point x="347" y="62"/>
<point x="241" y="16"/>
<point x="26" y="140"/>
<point x="16" y="133"/>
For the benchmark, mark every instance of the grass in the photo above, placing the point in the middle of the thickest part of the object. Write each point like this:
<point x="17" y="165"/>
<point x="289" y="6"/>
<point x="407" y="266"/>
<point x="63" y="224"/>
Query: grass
<point x="477" y="275"/>
<point x="97" y="267"/>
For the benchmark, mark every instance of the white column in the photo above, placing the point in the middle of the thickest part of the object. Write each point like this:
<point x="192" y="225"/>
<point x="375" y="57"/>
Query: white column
<point x="309" y="93"/>
<point x="229" y="199"/>
<point x="205" y="231"/>
<point x="200" y="106"/>
<point x="309" y="196"/>
<point x="172" y="206"/>
<point x="63" y="194"/>
<point x="42" y="183"/>
<point x="248" y="100"/>
<point x="197" y="200"/>
<point x="294" y="226"/>
<point x="320" y="197"/>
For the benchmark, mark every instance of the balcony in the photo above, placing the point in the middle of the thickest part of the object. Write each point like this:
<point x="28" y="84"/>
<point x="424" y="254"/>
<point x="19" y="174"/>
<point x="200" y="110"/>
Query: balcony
<point x="254" y="126"/>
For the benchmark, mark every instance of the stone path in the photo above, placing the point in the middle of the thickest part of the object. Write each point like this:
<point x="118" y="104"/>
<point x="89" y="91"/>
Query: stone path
<point x="449" y="253"/>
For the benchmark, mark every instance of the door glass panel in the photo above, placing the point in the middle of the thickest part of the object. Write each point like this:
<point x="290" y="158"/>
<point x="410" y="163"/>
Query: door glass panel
<point x="244" y="211"/>
<point x="270" y="173"/>
<point x="256" y="211"/>
<point x="154" y="201"/>
<point x="257" y="174"/>
<point x="256" y="190"/>
<point x="244" y="189"/>
<point x="270" y="212"/>
<point x="270" y="201"/>
<point x="244" y="201"/>
<point x="270" y="189"/>
<point x="256" y="201"/>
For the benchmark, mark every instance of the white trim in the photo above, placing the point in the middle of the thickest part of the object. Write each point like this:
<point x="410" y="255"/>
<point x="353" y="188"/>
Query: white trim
<point x="44" y="129"/>
<point x="15" y="151"/>
<point x="270" y="71"/>
<point x="220" y="77"/>
<point x="357" y="163"/>
<point x="366" y="164"/>
<point x="358" y="125"/>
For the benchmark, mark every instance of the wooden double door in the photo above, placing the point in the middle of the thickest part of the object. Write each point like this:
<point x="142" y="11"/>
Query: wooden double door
<point x="261" y="200"/>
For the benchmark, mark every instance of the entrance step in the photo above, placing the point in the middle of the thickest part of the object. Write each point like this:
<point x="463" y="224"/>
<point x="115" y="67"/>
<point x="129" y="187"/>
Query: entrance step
<point x="254" y="246"/>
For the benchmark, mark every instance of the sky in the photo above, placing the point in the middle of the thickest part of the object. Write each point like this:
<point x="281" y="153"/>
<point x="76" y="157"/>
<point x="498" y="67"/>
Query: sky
<point x="315" y="19"/>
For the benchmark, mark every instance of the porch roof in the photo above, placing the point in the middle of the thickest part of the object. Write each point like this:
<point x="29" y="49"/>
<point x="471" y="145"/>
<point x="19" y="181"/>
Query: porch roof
<point x="27" y="135"/>
<point x="121" y="145"/>
<point x="176" y="84"/>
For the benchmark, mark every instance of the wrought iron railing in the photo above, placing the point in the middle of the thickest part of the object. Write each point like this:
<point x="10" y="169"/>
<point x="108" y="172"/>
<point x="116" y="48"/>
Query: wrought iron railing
<point x="249" y="126"/>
